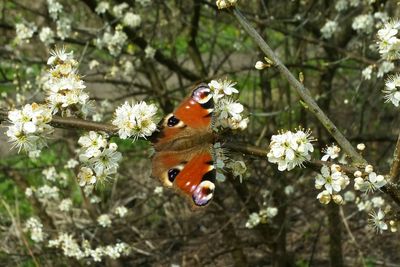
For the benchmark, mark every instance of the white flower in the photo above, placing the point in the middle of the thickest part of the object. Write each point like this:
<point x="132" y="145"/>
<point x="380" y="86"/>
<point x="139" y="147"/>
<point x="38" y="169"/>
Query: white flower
<point x="63" y="27"/>
<point x="392" y="90"/>
<point x="50" y="173"/>
<point x="269" y="212"/>
<point x="47" y="194"/>
<point x="221" y="88"/>
<point x="333" y="181"/>
<point x="25" y="31"/>
<point x="338" y="199"/>
<point x="107" y="162"/>
<point x="388" y="43"/>
<point x="93" y="64"/>
<point x="35" y="227"/>
<point x="331" y="152"/>
<point x="329" y="29"/>
<point x="64" y="87"/>
<point x="150" y="52"/>
<point x="324" y="197"/>
<point x="254" y="220"/>
<point x="54" y="8"/>
<point x="28" y="192"/>
<point x="378" y="202"/>
<point x="121" y="211"/>
<point x="46" y="35"/>
<point x="384" y="68"/>
<point x="102" y="7"/>
<point x="289" y="189"/>
<point x="136" y="120"/>
<point x="92" y="143"/>
<point x="65" y="205"/>
<point x="289" y="149"/>
<point x="225" y="3"/>
<point x="377" y="221"/>
<point x="144" y="2"/>
<point x="228" y="115"/>
<point x="71" y="163"/>
<point x="131" y="20"/>
<point x="377" y="181"/>
<point x="104" y="220"/>
<point x="100" y="158"/>
<point x="364" y="205"/>
<point x="363" y="23"/>
<point x="367" y="72"/>
<point x="158" y="190"/>
<point x="361" y="146"/>
<point x="86" y="176"/>
<point x="114" y="42"/>
<point x="349" y="196"/>
<point x="119" y="9"/>
<point x="29" y="127"/>
<point x="96" y="254"/>
<point x="369" y="168"/>
<point x="370" y="184"/>
<point x="341" y="5"/>
<point x="261" y="65"/>
<point x="69" y="246"/>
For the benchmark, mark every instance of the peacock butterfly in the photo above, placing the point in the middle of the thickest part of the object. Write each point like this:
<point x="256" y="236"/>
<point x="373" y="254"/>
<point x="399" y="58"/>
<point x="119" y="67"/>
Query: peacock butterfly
<point x="183" y="147"/>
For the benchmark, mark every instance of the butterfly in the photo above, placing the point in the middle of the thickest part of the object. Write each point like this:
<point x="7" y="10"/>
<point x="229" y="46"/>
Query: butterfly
<point x="183" y="147"/>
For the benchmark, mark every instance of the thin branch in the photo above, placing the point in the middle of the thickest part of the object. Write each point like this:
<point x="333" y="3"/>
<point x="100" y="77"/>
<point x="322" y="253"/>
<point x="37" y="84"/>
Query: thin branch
<point x="303" y="92"/>
<point x="395" y="168"/>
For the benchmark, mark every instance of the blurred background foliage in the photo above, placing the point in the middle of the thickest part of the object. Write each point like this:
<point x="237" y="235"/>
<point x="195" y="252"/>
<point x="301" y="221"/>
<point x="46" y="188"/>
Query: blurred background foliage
<point x="193" y="42"/>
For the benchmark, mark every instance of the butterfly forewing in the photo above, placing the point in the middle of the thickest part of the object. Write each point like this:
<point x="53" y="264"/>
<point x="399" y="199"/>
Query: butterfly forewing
<point x="183" y="146"/>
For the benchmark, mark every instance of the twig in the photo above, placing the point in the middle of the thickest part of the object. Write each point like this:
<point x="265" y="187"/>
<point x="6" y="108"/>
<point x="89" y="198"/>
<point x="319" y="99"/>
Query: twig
<point x="21" y="233"/>
<point x="353" y="239"/>
<point x="395" y="168"/>
<point x="303" y="92"/>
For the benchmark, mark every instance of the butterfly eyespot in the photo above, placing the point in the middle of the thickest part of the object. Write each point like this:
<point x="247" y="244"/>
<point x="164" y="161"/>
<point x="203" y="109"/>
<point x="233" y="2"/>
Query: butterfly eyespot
<point x="203" y="193"/>
<point x="173" y="121"/>
<point x="172" y="173"/>
<point x="202" y="95"/>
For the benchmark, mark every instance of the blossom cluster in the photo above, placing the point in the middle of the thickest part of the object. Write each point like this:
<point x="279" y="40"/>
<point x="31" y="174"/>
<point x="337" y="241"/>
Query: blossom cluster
<point x="263" y="216"/>
<point x="35" y="228"/>
<point x="290" y="149"/>
<point x="24" y="31"/>
<point x="135" y="120"/>
<point x="329" y="28"/>
<point x="363" y="23"/>
<point x="370" y="182"/>
<point x="64" y="87"/>
<point x="100" y="159"/>
<point x="228" y="112"/>
<point x="71" y="248"/>
<point x="113" y="41"/>
<point x="29" y="127"/>
<point x="333" y="180"/>
<point x="388" y="43"/>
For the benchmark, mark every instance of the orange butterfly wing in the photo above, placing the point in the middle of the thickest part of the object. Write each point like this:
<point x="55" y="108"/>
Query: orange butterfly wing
<point x="183" y="146"/>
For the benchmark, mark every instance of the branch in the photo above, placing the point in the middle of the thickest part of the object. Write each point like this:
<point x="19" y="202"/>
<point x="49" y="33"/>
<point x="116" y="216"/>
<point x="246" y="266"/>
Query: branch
<point x="72" y="123"/>
<point x="395" y="168"/>
<point x="390" y="188"/>
<point x="303" y="92"/>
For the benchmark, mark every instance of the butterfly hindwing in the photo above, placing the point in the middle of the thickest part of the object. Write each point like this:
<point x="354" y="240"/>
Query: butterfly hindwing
<point x="191" y="171"/>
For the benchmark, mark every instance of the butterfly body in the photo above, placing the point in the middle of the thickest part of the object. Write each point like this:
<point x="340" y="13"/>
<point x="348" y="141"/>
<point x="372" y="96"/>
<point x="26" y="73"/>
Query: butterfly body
<point x="183" y="148"/>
